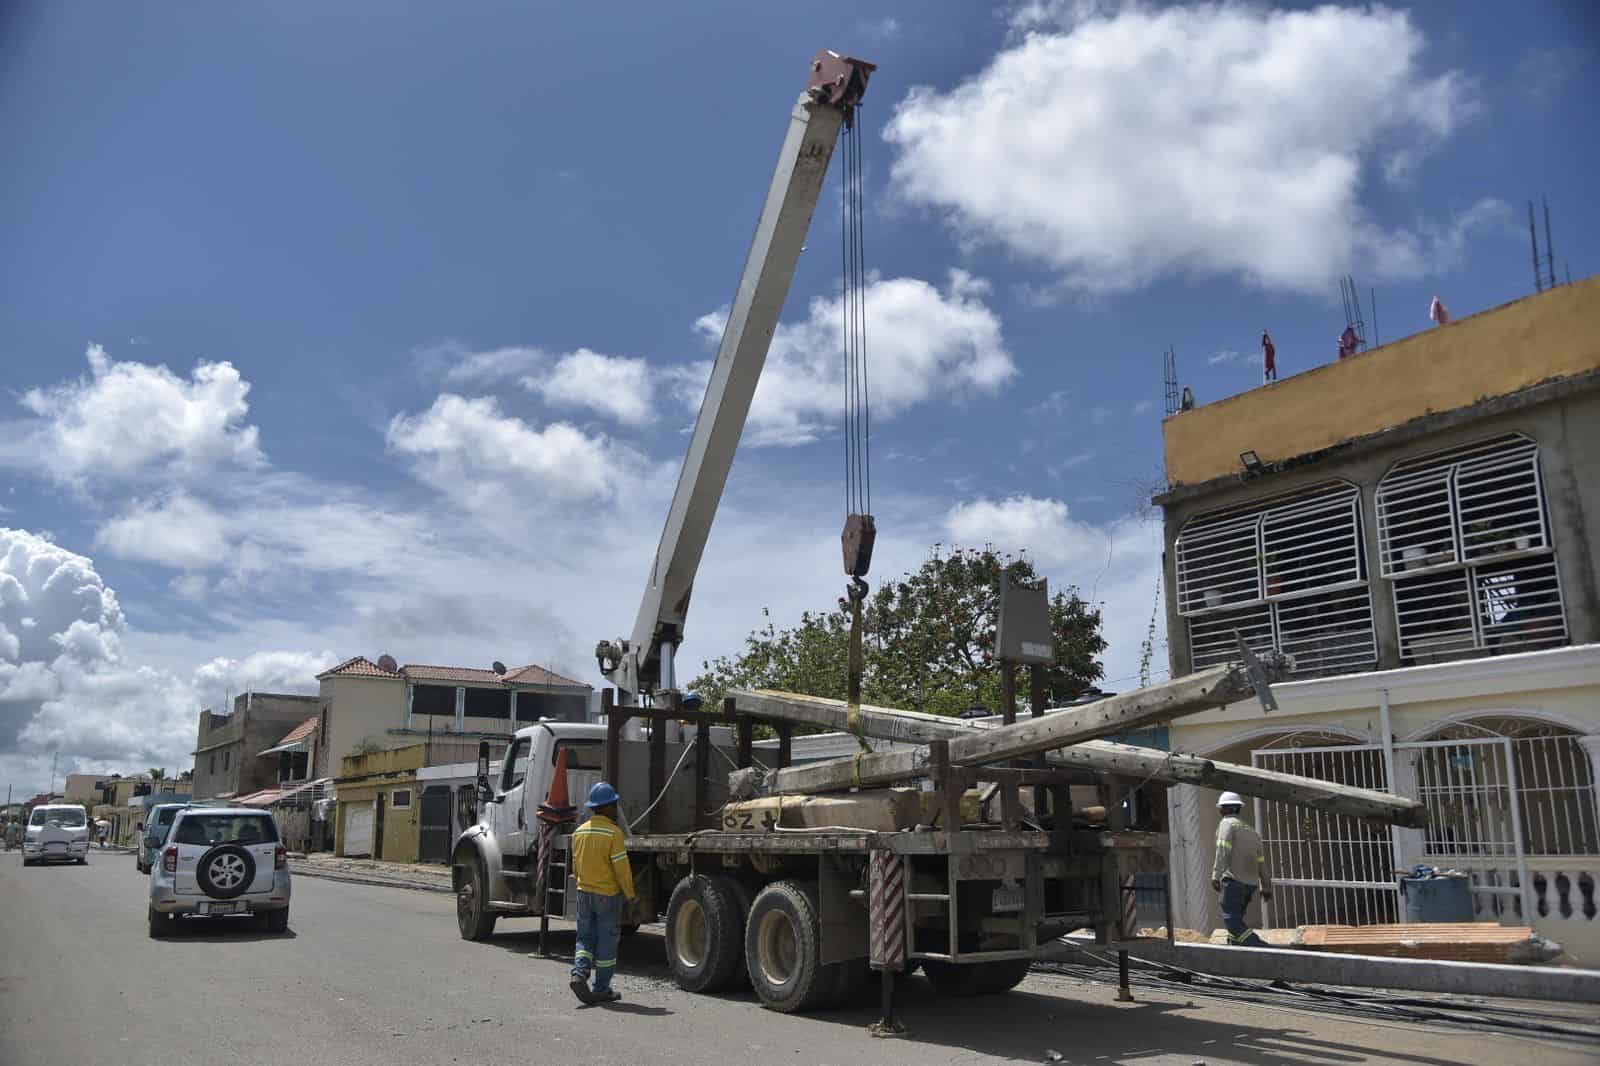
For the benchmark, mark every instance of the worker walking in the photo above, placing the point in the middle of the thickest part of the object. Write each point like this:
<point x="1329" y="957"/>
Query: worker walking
<point x="1269" y="358"/>
<point x="1240" y="868"/>
<point x="605" y="881"/>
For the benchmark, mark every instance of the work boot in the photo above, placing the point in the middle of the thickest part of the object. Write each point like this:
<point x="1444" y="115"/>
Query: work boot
<point x="610" y="995"/>
<point x="580" y="988"/>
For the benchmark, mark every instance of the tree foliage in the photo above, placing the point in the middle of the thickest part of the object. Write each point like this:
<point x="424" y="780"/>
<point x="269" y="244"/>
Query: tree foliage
<point x="929" y="641"/>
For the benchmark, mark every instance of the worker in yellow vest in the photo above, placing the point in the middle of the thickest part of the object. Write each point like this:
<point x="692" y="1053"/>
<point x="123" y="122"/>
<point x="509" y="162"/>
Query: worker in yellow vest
<point x="1239" y="870"/>
<point x="605" y="882"/>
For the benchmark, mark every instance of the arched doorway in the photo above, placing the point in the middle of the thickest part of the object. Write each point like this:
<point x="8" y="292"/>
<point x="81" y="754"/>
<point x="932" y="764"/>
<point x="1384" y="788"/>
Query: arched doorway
<point x="1511" y="802"/>
<point x="1326" y="869"/>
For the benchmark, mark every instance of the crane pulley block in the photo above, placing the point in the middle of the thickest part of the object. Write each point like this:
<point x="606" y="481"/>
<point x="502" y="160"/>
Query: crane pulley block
<point x="839" y="80"/>
<point x="860" y="531"/>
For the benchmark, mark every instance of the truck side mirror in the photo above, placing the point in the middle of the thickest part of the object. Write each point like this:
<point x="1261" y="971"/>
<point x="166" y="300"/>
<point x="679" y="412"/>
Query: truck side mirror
<point x="485" y="792"/>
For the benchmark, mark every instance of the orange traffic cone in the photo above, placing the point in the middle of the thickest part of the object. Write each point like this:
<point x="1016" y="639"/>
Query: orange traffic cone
<point x="555" y="807"/>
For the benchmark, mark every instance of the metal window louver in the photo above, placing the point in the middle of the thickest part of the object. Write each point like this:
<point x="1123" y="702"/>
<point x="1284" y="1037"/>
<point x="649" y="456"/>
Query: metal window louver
<point x="1287" y="573"/>
<point x="1464" y="538"/>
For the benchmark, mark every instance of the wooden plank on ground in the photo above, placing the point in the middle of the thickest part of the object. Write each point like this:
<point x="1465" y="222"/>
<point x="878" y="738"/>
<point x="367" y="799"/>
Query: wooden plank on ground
<point x="1446" y="941"/>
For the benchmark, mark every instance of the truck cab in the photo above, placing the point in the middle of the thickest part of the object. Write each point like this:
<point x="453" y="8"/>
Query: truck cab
<point x="510" y="807"/>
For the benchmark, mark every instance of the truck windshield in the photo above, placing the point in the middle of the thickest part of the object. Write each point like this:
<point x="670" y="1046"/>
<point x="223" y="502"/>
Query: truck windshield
<point x="65" y="817"/>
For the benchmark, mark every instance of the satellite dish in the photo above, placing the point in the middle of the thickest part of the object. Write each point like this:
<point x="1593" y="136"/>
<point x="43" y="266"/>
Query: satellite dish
<point x="498" y="667"/>
<point x="386" y="662"/>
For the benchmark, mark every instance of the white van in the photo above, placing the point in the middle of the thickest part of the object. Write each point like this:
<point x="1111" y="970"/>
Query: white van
<point x="57" y="832"/>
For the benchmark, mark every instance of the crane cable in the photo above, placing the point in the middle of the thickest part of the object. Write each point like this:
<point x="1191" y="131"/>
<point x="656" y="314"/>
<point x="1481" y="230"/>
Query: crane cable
<point x="859" y="527"/>
<point x="853" y="304"/>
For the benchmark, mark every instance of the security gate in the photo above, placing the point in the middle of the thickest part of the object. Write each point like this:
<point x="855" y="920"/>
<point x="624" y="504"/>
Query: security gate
<point x="1326" y="869"/>
<point x="1469" y="787"/>
<point x="433" y="835"/>
<point x="1329" y="869"/>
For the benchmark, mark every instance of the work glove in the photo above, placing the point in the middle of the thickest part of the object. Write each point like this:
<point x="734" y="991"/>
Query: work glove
<point x="1216" y="886"/>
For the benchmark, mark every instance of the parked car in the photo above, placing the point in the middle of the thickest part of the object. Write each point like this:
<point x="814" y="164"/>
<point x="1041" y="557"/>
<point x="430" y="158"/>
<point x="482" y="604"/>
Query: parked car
<point x="220" y="861"/>
<point x="154" y="834"/>
<point x="57" y="832"/>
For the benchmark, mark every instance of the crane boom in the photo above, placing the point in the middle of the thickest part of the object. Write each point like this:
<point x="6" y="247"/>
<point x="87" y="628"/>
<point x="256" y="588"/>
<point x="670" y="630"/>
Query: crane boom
<point x="644" y="663"/>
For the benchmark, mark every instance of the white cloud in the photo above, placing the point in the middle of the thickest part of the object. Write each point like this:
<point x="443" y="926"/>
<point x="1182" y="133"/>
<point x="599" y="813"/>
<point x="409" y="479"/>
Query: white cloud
<point x="1120" y="144"/>
<point x="69" y="687"/>
<point x="180" y="532"/>
<point x="922" y="342"/>
<point x="268" y="671"/>
<point x="469" y="449"/>
<point x="1114" y="566"/>
<point x="884" y="29"/>
<point x="460" y="366"/>
<point x="1144" y="407"/>
<point x="612" y="385"/>
<point x="1226" y="355"/>
<point x="130" y="420"/>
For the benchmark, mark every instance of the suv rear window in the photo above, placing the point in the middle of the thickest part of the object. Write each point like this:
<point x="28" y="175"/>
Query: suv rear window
<point x="226" y="829"/>
<point x="165" y="815"/>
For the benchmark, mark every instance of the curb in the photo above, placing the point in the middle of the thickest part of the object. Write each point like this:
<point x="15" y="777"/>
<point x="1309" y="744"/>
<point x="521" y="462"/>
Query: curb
<point x="360" y="879"/>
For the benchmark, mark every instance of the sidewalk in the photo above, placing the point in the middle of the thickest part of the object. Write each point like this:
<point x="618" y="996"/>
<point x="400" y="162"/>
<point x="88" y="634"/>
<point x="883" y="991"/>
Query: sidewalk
<point x="425" y="877"/>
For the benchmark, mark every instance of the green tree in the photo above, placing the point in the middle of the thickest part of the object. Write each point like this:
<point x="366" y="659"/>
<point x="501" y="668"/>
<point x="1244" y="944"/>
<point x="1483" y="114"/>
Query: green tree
<point x="929" y="639"/>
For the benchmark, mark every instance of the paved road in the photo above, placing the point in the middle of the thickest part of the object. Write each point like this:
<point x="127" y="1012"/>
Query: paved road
<point x="372" y="975"/>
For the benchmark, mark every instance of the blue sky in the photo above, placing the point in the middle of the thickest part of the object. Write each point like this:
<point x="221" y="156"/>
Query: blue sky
<point x="433" y="292"/>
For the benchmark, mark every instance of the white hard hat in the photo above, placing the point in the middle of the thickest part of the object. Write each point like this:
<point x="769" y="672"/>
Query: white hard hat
<point x="1230" y="799"/>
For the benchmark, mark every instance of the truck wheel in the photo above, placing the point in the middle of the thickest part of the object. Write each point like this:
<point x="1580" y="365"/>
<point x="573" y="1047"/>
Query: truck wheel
<point x="976" y="978"/>
<point x="852" y="978"/>
<point x="782" y="949"/>
<point x="473" y="916"/>
<point x="740" y="893"/>
<point x="1001" y="975"/>
<point x="704" y="939"/>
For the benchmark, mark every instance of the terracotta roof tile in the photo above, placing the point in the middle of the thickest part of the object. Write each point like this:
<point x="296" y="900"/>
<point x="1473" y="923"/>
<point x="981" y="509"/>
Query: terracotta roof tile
<point x="301" y="731"/>
<point x="447" y="673"/>
<point x="539" y="675"/>
<point x="359" y="666"/>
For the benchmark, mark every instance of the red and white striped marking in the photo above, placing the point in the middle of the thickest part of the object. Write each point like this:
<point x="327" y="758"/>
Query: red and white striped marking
<point x="1130" y="909"/>
<point x="887" y="910"/>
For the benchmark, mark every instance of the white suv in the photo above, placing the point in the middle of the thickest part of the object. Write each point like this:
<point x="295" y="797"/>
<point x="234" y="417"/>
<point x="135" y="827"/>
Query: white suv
<point x="56" y="832"/>
<point x="221" y="860"/>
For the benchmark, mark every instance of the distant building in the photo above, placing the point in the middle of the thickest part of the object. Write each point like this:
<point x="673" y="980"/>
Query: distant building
<point x="227" y="746"/>
<point x="449" y="709"/>
<point x="438" y="715"/>
<point x="1419" y="526"/>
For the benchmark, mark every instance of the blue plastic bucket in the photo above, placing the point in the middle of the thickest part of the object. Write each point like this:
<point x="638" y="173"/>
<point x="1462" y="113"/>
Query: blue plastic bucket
<point x="1438" y="899"/>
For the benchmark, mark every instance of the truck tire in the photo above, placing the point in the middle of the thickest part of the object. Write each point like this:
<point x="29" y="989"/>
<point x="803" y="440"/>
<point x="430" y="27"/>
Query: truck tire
<point x="975" y="978"/>
<point x="473" y="917"/>
<point x="705" y="942"/>
<point x="742" y="898"/>
<point x="783" y="949"/>
<point x="853" y="975"/>
<point x="1002" y="975"/>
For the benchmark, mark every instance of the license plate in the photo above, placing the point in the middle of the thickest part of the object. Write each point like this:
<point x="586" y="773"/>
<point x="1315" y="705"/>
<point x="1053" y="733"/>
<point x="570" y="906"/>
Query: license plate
<point x="1006" y="899"/>
<point x="219" y="908"/>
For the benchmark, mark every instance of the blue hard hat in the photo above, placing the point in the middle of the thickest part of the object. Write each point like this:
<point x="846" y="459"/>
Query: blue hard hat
<point x="601" y="795"/>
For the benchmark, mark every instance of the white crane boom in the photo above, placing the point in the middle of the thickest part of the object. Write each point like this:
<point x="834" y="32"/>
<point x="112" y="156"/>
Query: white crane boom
<point x="644" y="663"/>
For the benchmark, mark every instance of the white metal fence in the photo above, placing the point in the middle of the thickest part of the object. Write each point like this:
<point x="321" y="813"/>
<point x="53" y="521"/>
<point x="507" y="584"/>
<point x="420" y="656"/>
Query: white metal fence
<point x="1493" y="800"/>
<point x="1326" y="869"/>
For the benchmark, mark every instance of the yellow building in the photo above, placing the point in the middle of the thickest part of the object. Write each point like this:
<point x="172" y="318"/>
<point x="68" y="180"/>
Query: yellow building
<point x="378" y="804"/>
<point x="1419" y="526"/>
